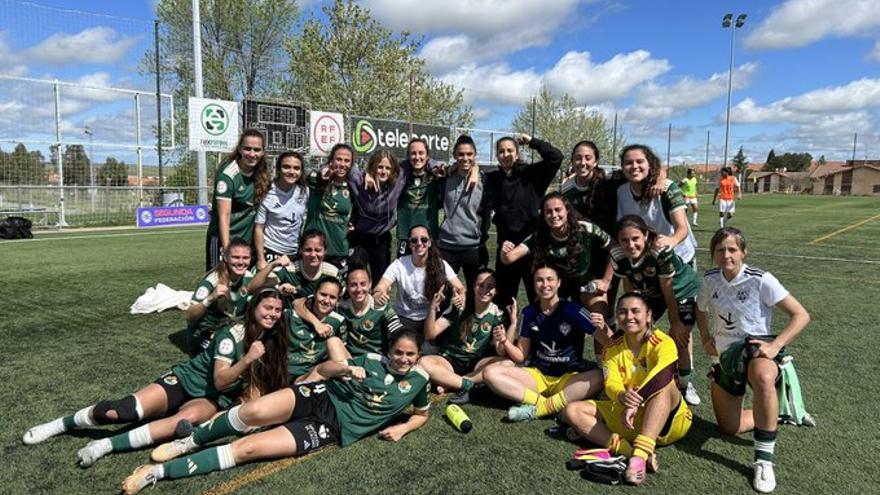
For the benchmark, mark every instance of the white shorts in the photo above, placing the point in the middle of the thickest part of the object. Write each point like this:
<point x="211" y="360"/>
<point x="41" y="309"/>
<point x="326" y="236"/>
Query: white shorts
<point x="726" y="206"/>
<point x="690" y="200"/>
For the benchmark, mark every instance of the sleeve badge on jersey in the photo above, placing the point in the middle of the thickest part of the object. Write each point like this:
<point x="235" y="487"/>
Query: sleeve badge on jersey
<point x="222" y="187"/>
<point x="202" y="293"/>
<point x="226" y="346"/>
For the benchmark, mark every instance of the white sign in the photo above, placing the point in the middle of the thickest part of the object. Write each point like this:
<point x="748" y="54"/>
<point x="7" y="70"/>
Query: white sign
<point x="325" y="130"/>
<point x="213" y="125"/>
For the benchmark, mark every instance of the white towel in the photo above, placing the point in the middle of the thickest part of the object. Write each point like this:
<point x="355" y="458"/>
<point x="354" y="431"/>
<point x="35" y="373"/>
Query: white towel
<point x="160" y="298"/>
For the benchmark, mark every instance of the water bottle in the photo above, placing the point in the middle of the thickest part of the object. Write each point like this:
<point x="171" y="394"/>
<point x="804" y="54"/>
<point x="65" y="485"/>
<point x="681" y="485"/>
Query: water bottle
<point x="458" y="418"/>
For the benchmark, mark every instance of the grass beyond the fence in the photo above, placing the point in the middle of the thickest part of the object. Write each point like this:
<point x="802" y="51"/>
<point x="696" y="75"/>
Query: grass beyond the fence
<point x="68" y="341"/>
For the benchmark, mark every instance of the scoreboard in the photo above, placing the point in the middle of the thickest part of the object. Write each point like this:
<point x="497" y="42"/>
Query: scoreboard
<point x="284" y="123"/>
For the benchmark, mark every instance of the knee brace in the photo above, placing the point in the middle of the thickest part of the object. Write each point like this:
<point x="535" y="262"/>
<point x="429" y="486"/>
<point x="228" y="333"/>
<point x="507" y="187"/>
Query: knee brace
<point x="127" y="411"/>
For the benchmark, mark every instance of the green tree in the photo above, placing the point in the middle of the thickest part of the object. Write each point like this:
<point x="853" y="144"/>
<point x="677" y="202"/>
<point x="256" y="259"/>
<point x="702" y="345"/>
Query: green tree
<point x="740" y="161"/>
<point x="76" y="166"/>
<point x="352" y="64"/>
<point x="22" y="166"/>
<point x="562" y="122"/>
<point x="113" y="173"/>
<point x="770" y="161"/>
<point x="794" y="162"/>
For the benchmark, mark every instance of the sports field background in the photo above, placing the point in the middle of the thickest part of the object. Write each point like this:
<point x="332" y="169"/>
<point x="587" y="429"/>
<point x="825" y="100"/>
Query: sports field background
<point x="68" y="341"/>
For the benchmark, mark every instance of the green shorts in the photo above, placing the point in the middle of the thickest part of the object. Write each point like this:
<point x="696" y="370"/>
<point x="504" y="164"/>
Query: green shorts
<point x="732" y="371"/>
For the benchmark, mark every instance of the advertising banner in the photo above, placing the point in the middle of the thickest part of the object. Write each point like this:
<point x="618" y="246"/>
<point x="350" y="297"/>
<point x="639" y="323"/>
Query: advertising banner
<point x="168" y="216"/>
<point x="369" y="134"/>
<point x="213" y="125"/>
<point x="325" y="129"/>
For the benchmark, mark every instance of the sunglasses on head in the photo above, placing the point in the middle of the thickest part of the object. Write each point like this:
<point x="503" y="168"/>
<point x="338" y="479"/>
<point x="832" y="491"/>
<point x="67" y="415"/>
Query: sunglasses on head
<point x="417" y="240"/>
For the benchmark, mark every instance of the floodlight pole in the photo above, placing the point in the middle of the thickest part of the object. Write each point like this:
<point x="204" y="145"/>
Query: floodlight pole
<point x="197" y="82"/>
<point x="728" y="22"/>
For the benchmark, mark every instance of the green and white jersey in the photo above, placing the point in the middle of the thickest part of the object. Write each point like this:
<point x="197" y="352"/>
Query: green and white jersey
<point x="368" y="331"/>
<point x="230" y="184"/>
<point x="476" y="343"/>
<point x="645" y="274"/>
<point x="293" y="274"/>
<point x="197" y="375"/>
<point x="577" y="196"/>
<point x="304" y="348"/>
<point x="219" y="312"/>
<point x="330" y="213"/>
<point x="590" y="239"/>
<point x="419" y="204"/>
<point x="363" y="407"/>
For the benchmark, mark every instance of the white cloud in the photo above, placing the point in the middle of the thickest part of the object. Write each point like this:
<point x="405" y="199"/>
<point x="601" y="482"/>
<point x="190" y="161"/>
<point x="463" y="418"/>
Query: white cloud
<point x="574" y="74"/>
<point x="656" y="101"/>
<point x="851" y="98"/>
<point x="800" y="22"/>
<point x="99" y="45"/>
<point x="470" y="31"/>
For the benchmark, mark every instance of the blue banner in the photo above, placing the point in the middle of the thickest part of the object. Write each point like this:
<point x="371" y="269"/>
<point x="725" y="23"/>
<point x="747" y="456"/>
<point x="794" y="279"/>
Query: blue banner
<point x="167" y="216"/>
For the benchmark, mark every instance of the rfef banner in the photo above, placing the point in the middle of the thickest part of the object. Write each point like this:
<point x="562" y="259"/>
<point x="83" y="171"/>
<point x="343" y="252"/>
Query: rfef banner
<point x="368" y="134"/>
<point x="213" y="125"/>
<point x="168" y="216"/>
<point x="326" y="130"/>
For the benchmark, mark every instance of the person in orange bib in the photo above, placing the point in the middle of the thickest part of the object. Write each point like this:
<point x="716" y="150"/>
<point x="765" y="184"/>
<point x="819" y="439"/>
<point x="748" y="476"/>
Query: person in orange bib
<point x="727" y="186"/>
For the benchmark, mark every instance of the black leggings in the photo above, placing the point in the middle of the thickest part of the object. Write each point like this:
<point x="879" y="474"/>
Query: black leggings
<point x="507" y="278"/>
<point x="371" y="250"/>
<point x="470" y="260"/>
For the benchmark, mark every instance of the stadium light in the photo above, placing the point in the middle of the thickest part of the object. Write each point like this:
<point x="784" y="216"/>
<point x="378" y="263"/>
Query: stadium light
<point x="728" y="23"/>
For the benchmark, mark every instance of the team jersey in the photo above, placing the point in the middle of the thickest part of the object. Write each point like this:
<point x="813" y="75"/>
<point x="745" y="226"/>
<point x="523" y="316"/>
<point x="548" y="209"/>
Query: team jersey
<point x="590" y="239"/>
<point x="218" y="312"/>
<point x="603" y="209"/>
<point x="330" y="213"/>
<point x="304" y="347"/>
<point x="476" y="343"/>
<point x="578" y="197"/>
<point x="419" y="204"/>
<point x="364" y="406"/>
<point x="197" y="375"/>
<point x="230" y="184"/>
<point x="689" y="187"/>
<point x="294" y="275"/>
<point x="650" y="371"/>
<point x="657" y="214"/>
<point x="645" y="274"/>
<point x="742" y="306"/>
<point x="368" y="331"/>
<point x="557" y="339"/>
<point x="726" y="187"/>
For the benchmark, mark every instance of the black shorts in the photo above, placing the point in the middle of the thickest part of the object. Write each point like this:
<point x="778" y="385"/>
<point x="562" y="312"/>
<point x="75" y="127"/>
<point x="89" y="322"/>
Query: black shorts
<point x="460" y="367"/>
<point x="174" y="391"/>
<point x="313" y="423"/>
<point x="686" y="309"/>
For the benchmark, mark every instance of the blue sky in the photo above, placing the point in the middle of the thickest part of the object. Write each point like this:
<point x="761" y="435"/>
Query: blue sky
<point x="807" y="72"/>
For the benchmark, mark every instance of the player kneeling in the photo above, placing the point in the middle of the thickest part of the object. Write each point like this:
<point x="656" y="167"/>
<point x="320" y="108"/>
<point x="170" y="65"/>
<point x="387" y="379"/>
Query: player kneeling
<point x="310" y="415"/>
<point x="647" y="408"/>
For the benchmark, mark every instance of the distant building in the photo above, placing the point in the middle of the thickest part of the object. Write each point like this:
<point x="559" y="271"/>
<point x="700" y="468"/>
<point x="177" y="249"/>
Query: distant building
<point x="779" y="181"/>
<point x="857" y="178"/>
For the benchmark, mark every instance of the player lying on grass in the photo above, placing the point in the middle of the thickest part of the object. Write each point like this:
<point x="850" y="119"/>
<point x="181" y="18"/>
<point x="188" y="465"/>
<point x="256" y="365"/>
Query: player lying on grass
<point x="666" y="281"/>
<point x="572" y="247"/>
<point x="300" y="278"/>
<point x="192" y="391"/>
<point x="551" y="348"/>
<point x="307" y="344"/>
<point x="220" y="296"/>
<point x="359" y="397"/>
<point x="742" y="299"/>
<point x="645" y="407"/>
<point x="465" y="338"/>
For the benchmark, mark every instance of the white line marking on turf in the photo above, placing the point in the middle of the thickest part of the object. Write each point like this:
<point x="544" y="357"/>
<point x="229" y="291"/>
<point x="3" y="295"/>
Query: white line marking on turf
<point x="802" y="257"/>
<point x="99" y="236"/>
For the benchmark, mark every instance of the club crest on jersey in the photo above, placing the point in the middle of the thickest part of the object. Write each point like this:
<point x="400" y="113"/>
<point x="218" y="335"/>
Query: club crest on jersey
<point x="564" y="328"/>
<point x="650" y="271"/>
<point x="417" y="181"/>
<point x="404" y="386"/>
<point x="170" y="379"/>
<point x="637" y="276"/>
<point x="368" y="324"/>
<point x="345" y="193"/>
<point x="485" y="327"/>
<point x="742" y="295"/>
<point x="304" y="391"/>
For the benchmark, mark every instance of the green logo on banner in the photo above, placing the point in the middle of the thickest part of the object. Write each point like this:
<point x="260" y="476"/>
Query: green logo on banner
<point x="364" y="137"/>
<point x="215" y="120"/>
